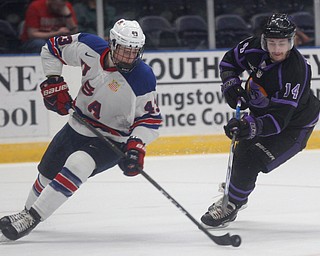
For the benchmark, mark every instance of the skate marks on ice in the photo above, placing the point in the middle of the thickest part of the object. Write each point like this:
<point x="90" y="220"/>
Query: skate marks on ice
<point x="115" y="215"/>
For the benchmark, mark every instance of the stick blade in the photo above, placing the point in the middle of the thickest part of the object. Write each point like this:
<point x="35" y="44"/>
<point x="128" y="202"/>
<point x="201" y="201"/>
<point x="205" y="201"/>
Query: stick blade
<point x="226" y="240"/>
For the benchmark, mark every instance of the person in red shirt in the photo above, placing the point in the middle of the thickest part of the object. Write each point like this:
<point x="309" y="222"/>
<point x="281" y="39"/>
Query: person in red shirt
<point x="45" y="19"/>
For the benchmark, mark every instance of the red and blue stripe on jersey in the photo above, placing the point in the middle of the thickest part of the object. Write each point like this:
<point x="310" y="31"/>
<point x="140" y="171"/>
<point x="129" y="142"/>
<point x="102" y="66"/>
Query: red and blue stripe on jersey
<point x="96" y="43"/>
<point x="101" y="126"/>
<point x="148" y="120"/>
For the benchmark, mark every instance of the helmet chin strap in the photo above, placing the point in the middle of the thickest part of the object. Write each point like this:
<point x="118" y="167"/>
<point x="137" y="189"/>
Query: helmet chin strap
<point x="108" y="63"/>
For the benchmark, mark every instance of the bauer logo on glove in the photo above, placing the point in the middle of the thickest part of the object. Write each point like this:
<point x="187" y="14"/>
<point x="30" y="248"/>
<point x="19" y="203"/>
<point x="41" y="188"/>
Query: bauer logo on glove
<point x="47" y="91"/>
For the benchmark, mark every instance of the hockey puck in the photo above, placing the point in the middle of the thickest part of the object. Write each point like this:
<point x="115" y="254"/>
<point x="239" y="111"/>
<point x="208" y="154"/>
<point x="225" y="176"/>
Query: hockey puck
<point x="235" y="240"/>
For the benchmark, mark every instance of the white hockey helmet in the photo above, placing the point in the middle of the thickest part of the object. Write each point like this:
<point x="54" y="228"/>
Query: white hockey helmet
<point x="129" y="35"/>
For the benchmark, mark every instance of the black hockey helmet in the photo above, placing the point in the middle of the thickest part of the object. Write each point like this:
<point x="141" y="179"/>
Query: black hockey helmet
<point x="278" y="26"/>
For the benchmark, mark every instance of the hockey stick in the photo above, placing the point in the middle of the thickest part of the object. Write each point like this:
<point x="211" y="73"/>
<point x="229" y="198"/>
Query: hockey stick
<point x="226" y="239"/>
<point x="225" y="198"/>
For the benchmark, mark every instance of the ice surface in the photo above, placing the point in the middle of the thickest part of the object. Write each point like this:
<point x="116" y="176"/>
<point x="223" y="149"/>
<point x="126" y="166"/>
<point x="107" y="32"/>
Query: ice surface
<point x="115" y="215"/>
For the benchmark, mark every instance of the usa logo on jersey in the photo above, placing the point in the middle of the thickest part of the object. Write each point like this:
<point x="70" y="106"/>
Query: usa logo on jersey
<point x="114" y="85"/>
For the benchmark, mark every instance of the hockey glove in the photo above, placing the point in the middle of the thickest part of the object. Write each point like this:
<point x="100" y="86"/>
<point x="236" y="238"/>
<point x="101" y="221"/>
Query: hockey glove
<point x="135" y="152"/>
<point x="246" y="128"/>
<point x="232" y="91"/>
<point x="55" y="95"/>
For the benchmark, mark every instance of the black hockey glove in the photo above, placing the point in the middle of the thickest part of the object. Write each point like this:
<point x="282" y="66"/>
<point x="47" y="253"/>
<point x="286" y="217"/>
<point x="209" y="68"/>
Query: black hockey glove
<point x="135" y="151"/>
<point x="55" y="95"/>
<point x="246" y="128"/>
<point x="232" y="91"/>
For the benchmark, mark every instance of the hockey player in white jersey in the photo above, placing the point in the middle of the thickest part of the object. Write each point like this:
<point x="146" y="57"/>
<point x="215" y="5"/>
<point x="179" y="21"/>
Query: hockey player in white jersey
<point x="117" y="97"/>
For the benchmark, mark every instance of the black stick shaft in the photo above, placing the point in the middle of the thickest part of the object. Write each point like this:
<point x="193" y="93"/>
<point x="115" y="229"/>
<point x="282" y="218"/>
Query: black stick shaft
<point x="220" y="240"/>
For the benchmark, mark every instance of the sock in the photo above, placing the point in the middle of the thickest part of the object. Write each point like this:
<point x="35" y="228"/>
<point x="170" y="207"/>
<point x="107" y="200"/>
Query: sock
<point x="40" y="183"/>
<point x="76" y="171"/>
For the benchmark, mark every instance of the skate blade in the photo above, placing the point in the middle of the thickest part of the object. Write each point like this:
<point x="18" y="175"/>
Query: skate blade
<point x="243" y="207"/>
<point x="224" y="225"/>
<point x="240" y="209"/>
<point x="4" y="239"/>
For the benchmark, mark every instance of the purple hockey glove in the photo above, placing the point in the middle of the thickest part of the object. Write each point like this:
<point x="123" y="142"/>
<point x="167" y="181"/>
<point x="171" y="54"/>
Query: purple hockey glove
<point x="246" y="128"/>
<point x="232" y="91"/>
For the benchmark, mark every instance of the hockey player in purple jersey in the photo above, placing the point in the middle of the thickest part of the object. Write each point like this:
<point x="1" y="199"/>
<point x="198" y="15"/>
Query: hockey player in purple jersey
<point x="282" y="110"/>
<point x="117" y="97"/>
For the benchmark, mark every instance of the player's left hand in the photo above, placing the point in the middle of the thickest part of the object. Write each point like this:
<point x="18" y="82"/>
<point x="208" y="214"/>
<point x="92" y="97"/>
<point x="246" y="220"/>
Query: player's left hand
<point x="135" y="152"/>
<point x="244" y="129"/>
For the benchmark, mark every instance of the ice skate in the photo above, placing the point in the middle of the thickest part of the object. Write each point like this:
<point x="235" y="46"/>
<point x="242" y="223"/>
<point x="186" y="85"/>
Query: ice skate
<point x="6" y="220"/>
<point x="20" y="224"/>
<point x="216" y="218"/>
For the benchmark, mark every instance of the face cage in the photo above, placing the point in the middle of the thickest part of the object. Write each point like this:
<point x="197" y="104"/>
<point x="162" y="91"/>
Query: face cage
<point x="264" y="42"/>
<point x="117" y="58"/>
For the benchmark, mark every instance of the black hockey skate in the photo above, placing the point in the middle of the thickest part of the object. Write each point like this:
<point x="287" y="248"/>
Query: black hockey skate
<point x="20" y="224"/>
<point x="7" y="220"/>
<point x="216" y="218"/>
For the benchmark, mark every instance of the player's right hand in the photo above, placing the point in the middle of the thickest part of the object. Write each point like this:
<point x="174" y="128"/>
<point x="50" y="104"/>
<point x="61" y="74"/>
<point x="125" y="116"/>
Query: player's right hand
<point x="246" y="128"/>
<point x="232" y="91"/>
<point x="55" y="95"/>
<point x="135" y="152"/>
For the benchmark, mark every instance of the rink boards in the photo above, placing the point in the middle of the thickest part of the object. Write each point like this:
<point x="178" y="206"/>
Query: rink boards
<point x="180" y="145"/>
<point x="192" y="105"/>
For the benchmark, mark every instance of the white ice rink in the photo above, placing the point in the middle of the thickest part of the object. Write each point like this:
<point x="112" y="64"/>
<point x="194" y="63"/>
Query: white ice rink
<point x="113" y="215"/>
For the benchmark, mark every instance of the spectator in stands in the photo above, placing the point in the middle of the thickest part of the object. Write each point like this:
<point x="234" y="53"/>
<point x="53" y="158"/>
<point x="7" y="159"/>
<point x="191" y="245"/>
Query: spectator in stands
<point x="45" y="19"/>
<point x="301" y="39"/>
<point x="87" y="18"/>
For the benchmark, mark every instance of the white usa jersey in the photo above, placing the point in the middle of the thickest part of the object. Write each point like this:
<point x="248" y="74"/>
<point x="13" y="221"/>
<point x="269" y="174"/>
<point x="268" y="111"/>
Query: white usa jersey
<point x="118" y="104"/>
